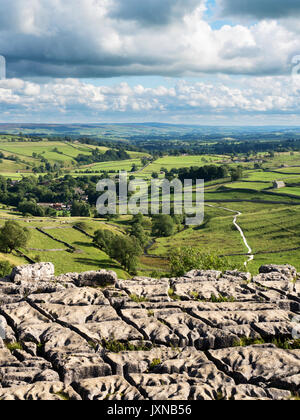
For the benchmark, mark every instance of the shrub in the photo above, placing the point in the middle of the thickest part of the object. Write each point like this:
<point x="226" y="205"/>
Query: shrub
<point x="186" y="259"/>
<point x="5" y="268"/>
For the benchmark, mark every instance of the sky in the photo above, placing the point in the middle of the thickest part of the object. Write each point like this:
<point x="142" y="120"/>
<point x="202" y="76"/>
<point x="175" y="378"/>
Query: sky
<point x="206" y="62"/>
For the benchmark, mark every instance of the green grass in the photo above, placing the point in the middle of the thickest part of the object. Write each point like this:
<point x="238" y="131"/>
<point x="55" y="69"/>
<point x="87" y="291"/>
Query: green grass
<point x="85" y="258"/>
<point x="58" y="152"/>
<point x="154" y="364"/>
<point x="289" y="190"/>
<point x="13" y="346"/>
<point x="250" y="185"/>
<point x="280" y="343"/>
<point x="123" y="165"/>
<point x="267" y="176"/>
<point x="293" y="170"/>
<point x="115" y="346"/>
<point x="170" y="162"/>
<point x="138" y="299"/>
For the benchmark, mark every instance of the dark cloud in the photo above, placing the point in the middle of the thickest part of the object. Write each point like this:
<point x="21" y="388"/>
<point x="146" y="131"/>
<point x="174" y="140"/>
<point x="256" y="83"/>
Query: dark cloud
<point x="98" y="38"/>
<point x="261" y="9"/>
<point x="152" y="12"/>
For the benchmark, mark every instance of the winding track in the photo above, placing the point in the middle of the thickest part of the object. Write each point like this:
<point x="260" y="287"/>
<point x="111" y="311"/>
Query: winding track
<point x="237" y="214"/>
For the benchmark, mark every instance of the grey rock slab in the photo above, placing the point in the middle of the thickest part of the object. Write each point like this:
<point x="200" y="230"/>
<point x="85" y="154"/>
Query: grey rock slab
<point x="205" y="274"/>
<point x="205" y="290"/>
<point x="205" y="372"/>
<point x="74" y="367"/>
<point x="152" y="290"/>
<point x="235" y="275"/>
<point x="162" y="387"/>
<point x="6" y="358"/>
<point x="57" y="338"/>
<point x="44" y="391"/>
<point x="73" y="297"/>
<point x="110" y="388"/>
<point x="284" y="270"/>
<point x="269" y="330"/>
<point x="125" y="363"/>
<point x="219" y="319"/>
<point x="178" y="391"/>
<point x="110" y="330"/>
<point x="33" y="273"/>
<point x="238" y="392"/>
<point x="242" y="331"/>
<point x="265" y="364"/>
<point x="96" y="278"/>
<point x="74" y="315"/>
<point x="280" y="286"/>
<point x="23" y="314"/>
<point x="152" y="328"/>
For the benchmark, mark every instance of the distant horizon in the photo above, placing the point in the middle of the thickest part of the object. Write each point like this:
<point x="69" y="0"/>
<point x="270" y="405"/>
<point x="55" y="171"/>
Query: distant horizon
<point x="149" y="123"/>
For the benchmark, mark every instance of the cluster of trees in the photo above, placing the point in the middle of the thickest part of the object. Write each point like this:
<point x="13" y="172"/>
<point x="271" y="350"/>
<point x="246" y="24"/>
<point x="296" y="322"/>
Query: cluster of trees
<point x="97" y="156"/>
<point x="30" y="208"/>
<point x="47" y="167"/>
<point x="138" y="229"/>
<point x="124" y="249"/>
<point x="208" y="173"/>
<point x="46" y="189"/>
<point x="80" y="209"/>
<point x="111" y="144"/>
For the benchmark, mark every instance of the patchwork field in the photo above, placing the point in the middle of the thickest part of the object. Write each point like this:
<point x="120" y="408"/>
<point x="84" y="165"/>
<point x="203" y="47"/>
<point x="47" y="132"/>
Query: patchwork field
<point x="270" y="221"/>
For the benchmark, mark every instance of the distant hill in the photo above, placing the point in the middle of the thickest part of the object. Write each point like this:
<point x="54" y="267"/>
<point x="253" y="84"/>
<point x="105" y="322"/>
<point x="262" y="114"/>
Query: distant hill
<point x="152" y="130"/>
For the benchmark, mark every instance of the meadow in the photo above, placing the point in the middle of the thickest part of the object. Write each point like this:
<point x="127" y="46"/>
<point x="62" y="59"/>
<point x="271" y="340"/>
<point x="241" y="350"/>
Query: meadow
<point x="40" y="247"/>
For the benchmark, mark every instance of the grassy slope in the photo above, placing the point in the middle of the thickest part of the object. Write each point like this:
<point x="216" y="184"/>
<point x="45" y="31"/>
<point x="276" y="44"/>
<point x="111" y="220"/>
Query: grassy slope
<point x="85" y="259"/>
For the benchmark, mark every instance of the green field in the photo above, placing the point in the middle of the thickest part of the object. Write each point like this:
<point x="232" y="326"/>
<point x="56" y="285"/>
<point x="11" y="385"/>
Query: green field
<point x="290" y="190"/>
<point x="267" y="176"/>
<point x="65" y="152"/>
<point x="42" y="248"/>
<point x="123" y="165"/>
<point x="250" y="185"/>
<point x="170" y="162"/>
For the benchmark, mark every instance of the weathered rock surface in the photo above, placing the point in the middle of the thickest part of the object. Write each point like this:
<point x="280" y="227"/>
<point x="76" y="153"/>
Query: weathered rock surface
<point x="207" y="335"/>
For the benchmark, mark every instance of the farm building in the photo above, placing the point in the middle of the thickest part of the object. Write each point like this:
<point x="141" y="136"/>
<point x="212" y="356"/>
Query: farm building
<point x="278" y="184"/>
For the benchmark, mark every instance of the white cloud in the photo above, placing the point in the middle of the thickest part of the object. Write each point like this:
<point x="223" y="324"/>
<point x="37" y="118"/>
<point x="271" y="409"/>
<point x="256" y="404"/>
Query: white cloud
<point x="233" y="95"/>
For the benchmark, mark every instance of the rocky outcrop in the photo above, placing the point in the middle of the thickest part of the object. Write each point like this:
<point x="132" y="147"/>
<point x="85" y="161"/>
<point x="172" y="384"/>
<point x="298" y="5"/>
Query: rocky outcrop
<point x="207" y="335"/>
<point x="33" y="273"/>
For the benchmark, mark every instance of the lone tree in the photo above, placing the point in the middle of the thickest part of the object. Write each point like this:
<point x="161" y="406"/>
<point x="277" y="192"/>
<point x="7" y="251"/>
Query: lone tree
<point x="13" y="236"/>
<point x="163" y="226"/>
<point x="236" y="173"/>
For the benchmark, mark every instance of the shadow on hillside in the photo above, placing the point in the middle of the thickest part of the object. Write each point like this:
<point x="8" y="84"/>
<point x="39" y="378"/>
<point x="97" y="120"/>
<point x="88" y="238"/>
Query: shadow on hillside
<point x="103" y="264"/>
<point x="85" y="244"/>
